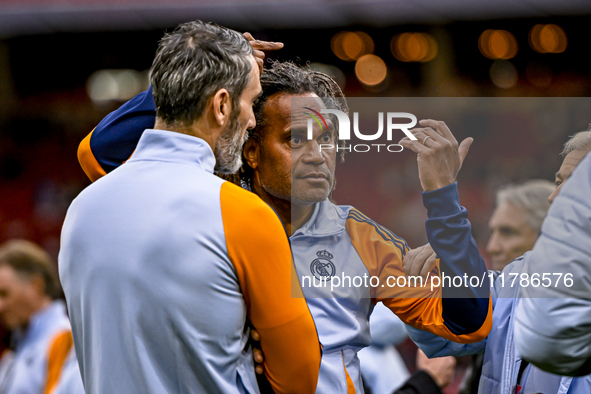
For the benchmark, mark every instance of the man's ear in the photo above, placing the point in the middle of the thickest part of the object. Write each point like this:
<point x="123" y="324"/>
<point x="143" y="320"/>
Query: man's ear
<point x="38" y="283"/>
<point x="221" y="107"/>
<point x="251" y="153"/>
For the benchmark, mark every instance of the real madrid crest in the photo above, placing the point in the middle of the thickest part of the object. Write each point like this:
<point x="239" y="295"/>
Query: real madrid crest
<point x="322" y="268"/>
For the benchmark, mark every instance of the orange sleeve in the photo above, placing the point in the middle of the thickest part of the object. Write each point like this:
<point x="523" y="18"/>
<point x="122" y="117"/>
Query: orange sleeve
<point x="416" y="305"/>
<point x="88" y="162"/>
<point x="58" y="352"/>
<point x="259" y="250"/>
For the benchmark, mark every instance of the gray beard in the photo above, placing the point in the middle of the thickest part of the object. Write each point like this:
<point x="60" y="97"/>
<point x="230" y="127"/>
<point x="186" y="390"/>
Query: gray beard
<point x="228" y="148"/>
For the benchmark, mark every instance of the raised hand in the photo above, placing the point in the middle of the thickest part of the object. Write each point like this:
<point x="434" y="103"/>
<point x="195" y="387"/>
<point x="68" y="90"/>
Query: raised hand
<point x="439" y="156"/>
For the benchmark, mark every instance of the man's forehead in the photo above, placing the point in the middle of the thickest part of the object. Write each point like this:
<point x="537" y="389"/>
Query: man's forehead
<point x="308" y="99"/>
<point x="506" y="214"/>
<point x="570" y="162"/>
<point x="291" y="107"/>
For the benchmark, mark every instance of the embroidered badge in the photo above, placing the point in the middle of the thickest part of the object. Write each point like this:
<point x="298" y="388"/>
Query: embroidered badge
<point x="322" y="268"/>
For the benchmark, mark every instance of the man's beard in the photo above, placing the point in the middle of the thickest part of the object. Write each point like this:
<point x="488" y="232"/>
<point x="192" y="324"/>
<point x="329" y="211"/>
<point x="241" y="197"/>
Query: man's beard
<point x="228" y="149"/>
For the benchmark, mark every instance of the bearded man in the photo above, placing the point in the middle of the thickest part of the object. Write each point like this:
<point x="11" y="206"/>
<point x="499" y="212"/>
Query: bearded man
<point x="160" y="261"/>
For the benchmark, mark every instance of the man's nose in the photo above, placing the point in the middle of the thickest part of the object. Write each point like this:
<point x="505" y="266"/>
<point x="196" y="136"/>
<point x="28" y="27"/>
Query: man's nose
<point x="313" y="153"/>
<point x="554" y="193"/>
<point x="493" y="246"/>
<point x="252" y="122"/>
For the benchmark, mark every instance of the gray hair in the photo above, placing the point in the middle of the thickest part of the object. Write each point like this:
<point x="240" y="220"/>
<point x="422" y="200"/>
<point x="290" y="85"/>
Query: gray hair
<point x="581" y="140"/>
<point x="192" y="63"/>
<point x="530" y="197"/>
<point x="28" y="259"/>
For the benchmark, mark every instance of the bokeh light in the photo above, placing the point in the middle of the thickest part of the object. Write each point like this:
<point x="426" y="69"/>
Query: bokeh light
<point x="497" y="44"/>
<point x="414" y="47"/>
<point x="350" y="46"/>
<point x="115" y="85"/>
<point x="539" y="75"/>
<point x="371" y="70"/>
<point x="503" y="74"/>
<point x="548" y="39"/>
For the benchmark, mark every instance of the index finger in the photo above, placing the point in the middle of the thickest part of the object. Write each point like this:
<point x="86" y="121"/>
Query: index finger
<point x="440" y="127"/>
<point x="266" y="45"/>
<point x="262" y="45"/>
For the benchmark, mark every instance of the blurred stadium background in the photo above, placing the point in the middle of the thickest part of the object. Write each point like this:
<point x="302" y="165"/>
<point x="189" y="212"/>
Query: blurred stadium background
<point x="65" y="64"/>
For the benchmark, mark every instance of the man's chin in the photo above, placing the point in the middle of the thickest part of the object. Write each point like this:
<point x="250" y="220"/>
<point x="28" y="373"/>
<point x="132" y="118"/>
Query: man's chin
<point x="498" y="265"/>
<point x="308" y="199"/>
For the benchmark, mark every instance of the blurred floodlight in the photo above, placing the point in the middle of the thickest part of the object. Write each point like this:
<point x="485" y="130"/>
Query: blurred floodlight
<point x="332" y="71"/>
<point x="102" y="86"/>
<point x="539" y="75"/>
<point x="114" y="85"/>
<point x="497" y="44"/>
<point x="353" y="46"/>
<point x="368" y="45"/>
<point x="503" y="74"/>
<point x="414" y="47"/>
<point x="350" y="46"/>
<point x="128" y="84"/>
<point x="371" y="70"/>
<point x="336" y="44"/>
<point x="548" y="39"/>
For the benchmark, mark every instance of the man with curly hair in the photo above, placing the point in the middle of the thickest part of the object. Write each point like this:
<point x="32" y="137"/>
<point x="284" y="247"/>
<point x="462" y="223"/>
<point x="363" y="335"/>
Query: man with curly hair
<point x="290" y="173"/>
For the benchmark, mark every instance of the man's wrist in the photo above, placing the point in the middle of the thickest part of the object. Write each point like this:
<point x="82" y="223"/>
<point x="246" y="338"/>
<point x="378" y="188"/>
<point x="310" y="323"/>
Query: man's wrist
<point x="442" y="202"/>
<point x="437" y="185"/>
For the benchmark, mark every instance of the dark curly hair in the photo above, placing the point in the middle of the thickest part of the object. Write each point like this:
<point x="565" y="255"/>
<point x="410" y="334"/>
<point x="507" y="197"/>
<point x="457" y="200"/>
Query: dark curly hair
<point x="287" y="77"/>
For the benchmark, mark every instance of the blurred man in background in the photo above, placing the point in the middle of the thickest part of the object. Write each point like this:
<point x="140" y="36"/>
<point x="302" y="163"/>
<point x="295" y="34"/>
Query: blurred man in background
<point x="517" y="219"/>
<point x="514" y="225"/>
<point x="41" y="335"/>
<point x="504" y="370"/>
<point x="162" y="262"/>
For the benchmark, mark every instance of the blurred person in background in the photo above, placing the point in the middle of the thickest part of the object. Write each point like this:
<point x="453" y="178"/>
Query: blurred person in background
<point x="552" y="328"/>
<point x="30" y="308"/>
<point x="275" y="147"/>
<point x="517" y="219"/>
<point x="163" y="263"/>
<point x="514" y="225"/>
<point x="504" y="369"/>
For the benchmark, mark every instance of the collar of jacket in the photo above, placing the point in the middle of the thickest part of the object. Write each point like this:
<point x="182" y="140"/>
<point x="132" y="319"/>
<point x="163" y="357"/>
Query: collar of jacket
<point x="170" y="146"/>
<point x="327" y="219"/>
<point x="39" y="322"/>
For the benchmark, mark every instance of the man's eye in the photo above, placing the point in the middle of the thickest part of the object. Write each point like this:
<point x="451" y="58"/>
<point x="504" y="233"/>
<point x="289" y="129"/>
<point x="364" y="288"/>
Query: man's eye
<point x="558" y="183"/>
<point x="295" y="140"/>
<point x="326" y="138"/>
<point x="507" y="232"/>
